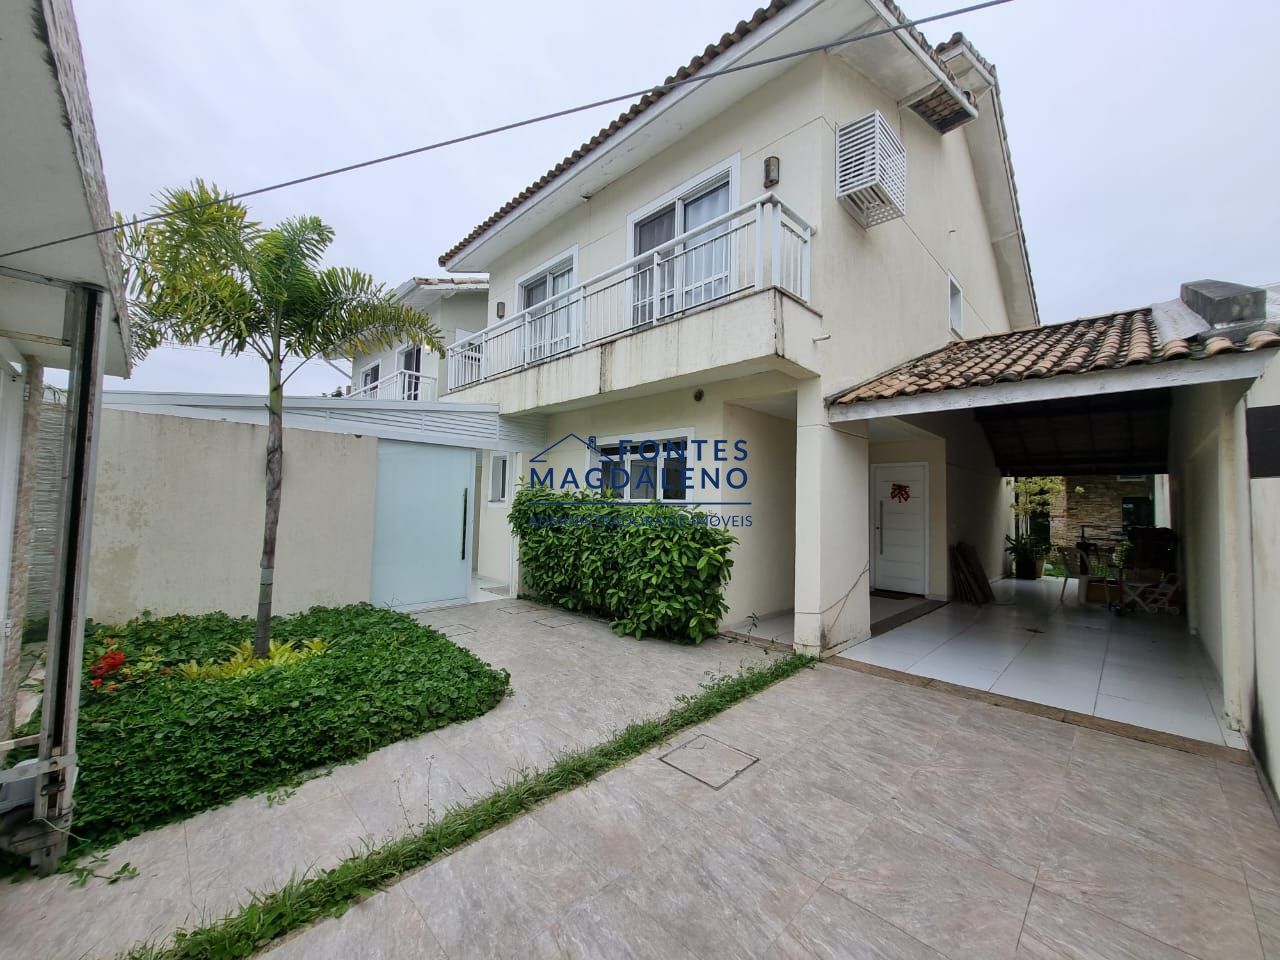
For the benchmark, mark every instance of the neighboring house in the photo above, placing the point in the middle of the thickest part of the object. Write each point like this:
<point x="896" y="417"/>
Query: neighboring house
<point x="61" y="306"/>
<point x="724" y="256"/>
<point x="410" y="371"/>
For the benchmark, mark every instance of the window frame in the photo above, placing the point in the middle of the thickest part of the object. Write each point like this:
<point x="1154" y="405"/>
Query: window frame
<point x="405" y="388"/>
<point x="955" y="306"/>
<point x="566" y="258"/>
<point x="364" y="382"/>
<point x="726" y="171"/>
<point x="664" y="435"/>
<point x="494" y="457"/>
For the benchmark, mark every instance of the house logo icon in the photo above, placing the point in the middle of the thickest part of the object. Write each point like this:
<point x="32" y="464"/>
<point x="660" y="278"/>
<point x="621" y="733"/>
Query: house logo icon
<point x="589" y="443"/>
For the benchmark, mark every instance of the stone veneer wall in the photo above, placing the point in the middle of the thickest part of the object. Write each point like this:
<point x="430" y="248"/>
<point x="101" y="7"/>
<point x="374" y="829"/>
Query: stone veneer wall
<point x="1098" y="507"/>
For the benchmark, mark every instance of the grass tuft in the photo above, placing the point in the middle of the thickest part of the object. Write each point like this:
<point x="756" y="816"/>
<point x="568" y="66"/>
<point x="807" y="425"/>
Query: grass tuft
<point x="330" y="893"/>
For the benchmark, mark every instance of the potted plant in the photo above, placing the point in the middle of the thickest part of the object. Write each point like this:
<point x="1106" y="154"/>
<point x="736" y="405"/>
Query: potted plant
<point x="1028" y="556"/>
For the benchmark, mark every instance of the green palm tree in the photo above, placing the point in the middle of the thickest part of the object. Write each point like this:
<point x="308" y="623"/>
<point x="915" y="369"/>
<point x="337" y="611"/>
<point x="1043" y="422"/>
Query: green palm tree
<point x="206" y="273"/>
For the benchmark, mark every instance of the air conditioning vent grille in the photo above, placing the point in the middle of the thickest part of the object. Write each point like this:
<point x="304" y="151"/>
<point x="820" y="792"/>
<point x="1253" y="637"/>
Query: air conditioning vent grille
<point x="871" y="170"/>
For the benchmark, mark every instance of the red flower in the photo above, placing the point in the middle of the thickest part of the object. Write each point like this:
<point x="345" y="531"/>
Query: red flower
<point x="95" y="682"/>
<point x="109" y="662"/>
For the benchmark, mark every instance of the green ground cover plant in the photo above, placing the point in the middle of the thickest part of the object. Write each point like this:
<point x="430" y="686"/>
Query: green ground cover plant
<point x="160" y="740"/>
<point x="653" y="569"/>
<point x="326" y="893"/>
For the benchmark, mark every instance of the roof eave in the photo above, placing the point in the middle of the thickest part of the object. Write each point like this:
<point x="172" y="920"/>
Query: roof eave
<point x="458" y="262"/>
<point x="1223" y="368"/>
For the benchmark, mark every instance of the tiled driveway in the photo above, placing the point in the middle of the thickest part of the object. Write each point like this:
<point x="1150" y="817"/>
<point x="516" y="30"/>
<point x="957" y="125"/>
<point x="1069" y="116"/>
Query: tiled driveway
<point x="879" y="820"/>
<point x="573" y="682"/>
<point x="1143" y="669"/>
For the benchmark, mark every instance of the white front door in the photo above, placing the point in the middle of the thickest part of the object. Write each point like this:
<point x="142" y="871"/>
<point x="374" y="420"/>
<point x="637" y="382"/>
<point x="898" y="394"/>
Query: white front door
<point x="899" y="527"/>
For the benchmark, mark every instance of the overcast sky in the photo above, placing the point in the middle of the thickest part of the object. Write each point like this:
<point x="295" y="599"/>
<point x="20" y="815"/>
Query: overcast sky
<point x="1142" y="135"/>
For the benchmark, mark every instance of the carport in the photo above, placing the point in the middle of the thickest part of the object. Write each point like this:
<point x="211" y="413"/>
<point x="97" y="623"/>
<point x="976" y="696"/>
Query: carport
<point x="1159" y="390"/>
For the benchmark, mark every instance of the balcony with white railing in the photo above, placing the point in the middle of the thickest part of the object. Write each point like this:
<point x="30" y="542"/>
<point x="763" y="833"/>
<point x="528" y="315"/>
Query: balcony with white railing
<point x="401" y="385"/>
<point x="758" y="246"/>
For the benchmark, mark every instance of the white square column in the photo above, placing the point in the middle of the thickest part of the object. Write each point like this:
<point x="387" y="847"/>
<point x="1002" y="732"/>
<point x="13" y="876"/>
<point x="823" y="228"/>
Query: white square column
<point x="833" y="554"/>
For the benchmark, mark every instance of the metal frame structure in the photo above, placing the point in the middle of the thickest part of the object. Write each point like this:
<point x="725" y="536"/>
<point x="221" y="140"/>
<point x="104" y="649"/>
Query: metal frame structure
<point x="44" y="837"/>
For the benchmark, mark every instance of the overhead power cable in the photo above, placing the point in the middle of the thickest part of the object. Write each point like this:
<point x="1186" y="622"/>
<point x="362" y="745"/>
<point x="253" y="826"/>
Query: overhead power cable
<point x="697" y="78"/>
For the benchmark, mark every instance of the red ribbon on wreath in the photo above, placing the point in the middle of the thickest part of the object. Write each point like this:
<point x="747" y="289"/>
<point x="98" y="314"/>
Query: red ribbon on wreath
<point x="900" y="492"/>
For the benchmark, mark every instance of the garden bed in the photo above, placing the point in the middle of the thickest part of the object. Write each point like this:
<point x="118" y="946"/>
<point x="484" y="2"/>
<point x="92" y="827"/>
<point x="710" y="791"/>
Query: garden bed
<point x="172" y="722"/>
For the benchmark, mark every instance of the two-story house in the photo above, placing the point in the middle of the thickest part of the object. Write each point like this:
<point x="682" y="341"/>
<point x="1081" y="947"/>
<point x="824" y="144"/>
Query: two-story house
<point x="727" y="254"/>
<point x="457" y="305"/>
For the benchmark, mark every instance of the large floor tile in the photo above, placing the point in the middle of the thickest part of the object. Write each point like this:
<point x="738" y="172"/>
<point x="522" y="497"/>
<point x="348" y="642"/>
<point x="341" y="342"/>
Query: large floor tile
<point x="492" y="897"/>
<point x="893" y="651"/>
<point x="977" y="648"/>
<point x="1069" y="689"/>
<point x="991" y="805"/>
<point x="1057" y="929"/>
<point x="406" y="784"/>
<point x="606" y="925"/>
<point x="783" y="810"/>
<point x="864" y="772"/>
<point x="614" y="822"/>
<point x="236" y="850"/>
<point x="1145" y="765"/>
<point x="986" y="727"/>
<point x="955" y="669"/>
<point x="387" y="926"/>
<point x="1192" y="825"/>
<point x="833" y="928"/>
<point x="1186" y="907"/>
<point x="719" y="896"/>
<point x="1186" y="720"/>
<point x="942" y="897"/>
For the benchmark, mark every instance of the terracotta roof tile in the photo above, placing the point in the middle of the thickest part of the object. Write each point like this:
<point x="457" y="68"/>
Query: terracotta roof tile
<point x="1096" y="343"/>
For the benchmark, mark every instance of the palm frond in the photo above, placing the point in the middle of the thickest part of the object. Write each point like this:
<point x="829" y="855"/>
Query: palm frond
<point x="353" y="313"/>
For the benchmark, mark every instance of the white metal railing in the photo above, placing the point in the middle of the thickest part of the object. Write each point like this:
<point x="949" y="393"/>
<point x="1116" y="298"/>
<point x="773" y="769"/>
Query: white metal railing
<point x="401" y="385"/>
<point x="760" y="244"/>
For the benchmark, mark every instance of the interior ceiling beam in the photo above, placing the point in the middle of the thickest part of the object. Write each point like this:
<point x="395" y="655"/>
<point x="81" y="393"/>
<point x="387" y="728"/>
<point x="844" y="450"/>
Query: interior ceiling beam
<point x="1082" y="468"/>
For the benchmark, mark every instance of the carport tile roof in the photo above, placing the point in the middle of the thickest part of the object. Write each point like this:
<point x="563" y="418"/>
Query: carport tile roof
<point x="1095" y="343"/>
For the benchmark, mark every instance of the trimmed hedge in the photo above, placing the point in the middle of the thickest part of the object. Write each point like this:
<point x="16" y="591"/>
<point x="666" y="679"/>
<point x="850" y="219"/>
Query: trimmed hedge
<point x="653" y="569"/>
<point x="162" y="748"/>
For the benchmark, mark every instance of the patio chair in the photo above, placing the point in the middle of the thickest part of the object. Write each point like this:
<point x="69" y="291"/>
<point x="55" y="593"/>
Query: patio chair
<point x="1076" y="562"/>
<point x="1159" y="598"/>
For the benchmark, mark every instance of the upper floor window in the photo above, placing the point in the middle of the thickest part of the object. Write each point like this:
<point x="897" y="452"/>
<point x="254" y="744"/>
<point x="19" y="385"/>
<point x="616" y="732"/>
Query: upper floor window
<point x="370" y="375"/>
<point x="696" y="271"/>
<point x="955" y="307"/>
<point x="411" y="371"/>
<point x="543" y="294"/>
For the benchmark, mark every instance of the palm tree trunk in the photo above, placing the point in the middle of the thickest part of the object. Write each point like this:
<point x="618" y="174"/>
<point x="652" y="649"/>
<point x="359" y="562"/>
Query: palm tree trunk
<point x="275" y="463"/>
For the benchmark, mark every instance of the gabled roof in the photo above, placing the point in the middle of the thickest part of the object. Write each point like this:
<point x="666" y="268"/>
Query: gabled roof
<point x="998" y="189"/>
<point x="743" y="29"/>
<point x="943" y="105"/>
<point x="1092" y="344"/>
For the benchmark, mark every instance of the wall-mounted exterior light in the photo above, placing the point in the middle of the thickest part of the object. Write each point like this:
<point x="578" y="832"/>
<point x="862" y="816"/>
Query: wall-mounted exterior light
<point x="501" y="310"/>
<point x="772" y="172"/>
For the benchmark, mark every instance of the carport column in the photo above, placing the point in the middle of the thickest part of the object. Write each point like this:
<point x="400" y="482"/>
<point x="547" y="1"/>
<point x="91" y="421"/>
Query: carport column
<point x="1236" y="585"/>
<point x="832" y="600"/>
